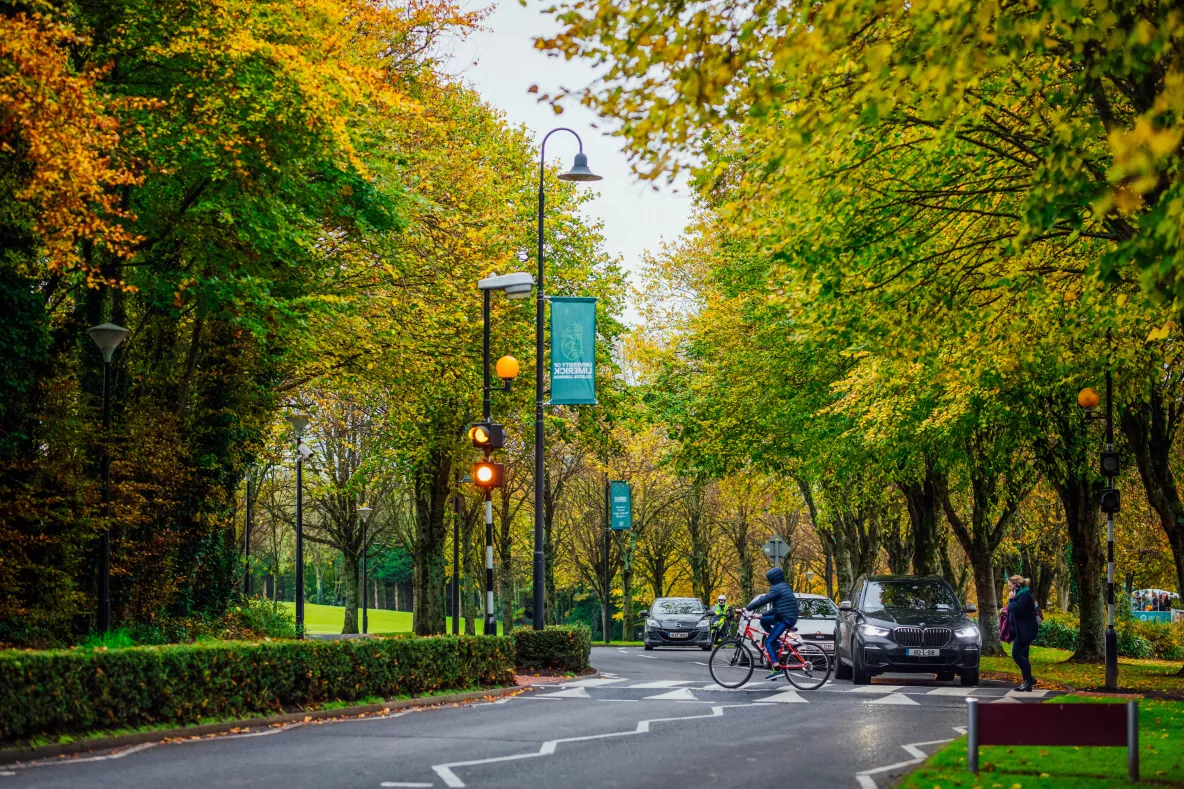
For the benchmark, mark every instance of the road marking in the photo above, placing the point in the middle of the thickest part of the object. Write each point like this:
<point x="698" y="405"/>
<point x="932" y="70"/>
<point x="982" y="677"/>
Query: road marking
<point x="682" y="694"/>
<point x="951" y="692"/>
<point x="451" y="779"/>
<point x="784" y="697"/>
<point x="727" y="690"/>
<point x="663" y="683"/>
<point x="1006" y="700"/>
<point x="648" y="657"/>
<point x="864" y="777"/>
<point x="570" y="693"/>
<point x="875" y="688"/>
<point x="589" y="683"/>
<point x="403" y="783"/>
<point x="698" y="662"/>
<point x="1032" y="694"/>
<point x="894" y="698"/>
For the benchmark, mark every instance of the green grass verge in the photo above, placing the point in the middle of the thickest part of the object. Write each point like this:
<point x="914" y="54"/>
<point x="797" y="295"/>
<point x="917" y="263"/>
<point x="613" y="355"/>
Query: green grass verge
<point x="1161" y="757"/>
<point x="331" y="618"/>
<point x="1050" y="665"/>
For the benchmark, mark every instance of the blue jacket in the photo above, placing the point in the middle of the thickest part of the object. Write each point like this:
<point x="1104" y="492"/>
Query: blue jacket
<point x="1022" y="610"/>
<point x="785" y="604"/>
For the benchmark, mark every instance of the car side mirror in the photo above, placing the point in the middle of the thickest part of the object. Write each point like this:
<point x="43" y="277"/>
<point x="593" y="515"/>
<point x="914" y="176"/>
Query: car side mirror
<point x="970" y="608"/>
<point x="645" y="614"/>
<point x="845" y="605"/>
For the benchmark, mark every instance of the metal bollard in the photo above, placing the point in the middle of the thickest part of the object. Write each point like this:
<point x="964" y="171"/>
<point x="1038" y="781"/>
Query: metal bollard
<point x="972" y="735"/>
<point x="1132" y="741"/>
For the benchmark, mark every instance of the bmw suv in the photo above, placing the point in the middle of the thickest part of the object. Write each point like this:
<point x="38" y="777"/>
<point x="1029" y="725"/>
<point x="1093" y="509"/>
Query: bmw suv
<point x="677" y="622"/>
<point x="906" y="624"/>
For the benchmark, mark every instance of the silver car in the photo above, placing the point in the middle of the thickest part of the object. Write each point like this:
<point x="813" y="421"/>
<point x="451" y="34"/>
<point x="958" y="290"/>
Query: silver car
<point x="677" y="622"/>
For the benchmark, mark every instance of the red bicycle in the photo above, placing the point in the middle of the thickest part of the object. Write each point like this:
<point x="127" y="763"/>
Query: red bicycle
<point x="806" y="666"/>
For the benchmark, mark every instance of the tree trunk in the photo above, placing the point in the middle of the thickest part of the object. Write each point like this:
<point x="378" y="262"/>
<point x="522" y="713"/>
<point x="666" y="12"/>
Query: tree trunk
<point x="983" y="564"/>
<point x="1089" y="563"/>
<point x="922" y="502"/>
<point x="702" y="582"/>
<point x="470" y="588"/>
<point x="353" y="592"/>
<point x="432" y="487"/>
<point x="627" y="555"/>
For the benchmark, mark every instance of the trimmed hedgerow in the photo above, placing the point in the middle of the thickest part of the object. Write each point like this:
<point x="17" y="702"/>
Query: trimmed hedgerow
<point x="559" y="647"/>
<point x="76" y="690"/>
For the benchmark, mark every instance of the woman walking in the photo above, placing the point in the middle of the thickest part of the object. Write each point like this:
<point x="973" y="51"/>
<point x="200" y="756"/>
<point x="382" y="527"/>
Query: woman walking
<point x="1021" y="610"/>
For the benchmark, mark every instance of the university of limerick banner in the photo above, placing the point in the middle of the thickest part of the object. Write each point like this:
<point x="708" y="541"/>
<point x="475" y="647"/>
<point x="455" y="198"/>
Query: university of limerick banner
<point x="573" y="350"/>
<point x="622" y="505"/>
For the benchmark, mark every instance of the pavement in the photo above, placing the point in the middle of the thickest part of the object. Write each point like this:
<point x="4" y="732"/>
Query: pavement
<point x="647" y="719"/>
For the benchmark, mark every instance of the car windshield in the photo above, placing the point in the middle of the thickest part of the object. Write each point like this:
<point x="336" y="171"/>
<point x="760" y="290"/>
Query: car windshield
<point x="678" y="607"/>
<point x="811" y="608"/>
<point x="916" y="595"/>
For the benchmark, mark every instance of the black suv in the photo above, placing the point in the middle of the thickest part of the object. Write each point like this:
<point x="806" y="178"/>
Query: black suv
<point x="909" y="624"/>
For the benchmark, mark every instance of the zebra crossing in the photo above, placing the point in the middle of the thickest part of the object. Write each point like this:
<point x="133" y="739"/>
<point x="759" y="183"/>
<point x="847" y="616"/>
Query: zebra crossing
<point x="616" y="688"/>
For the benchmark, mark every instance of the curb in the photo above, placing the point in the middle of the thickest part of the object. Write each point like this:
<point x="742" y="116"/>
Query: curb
<point x="17" y="755"/>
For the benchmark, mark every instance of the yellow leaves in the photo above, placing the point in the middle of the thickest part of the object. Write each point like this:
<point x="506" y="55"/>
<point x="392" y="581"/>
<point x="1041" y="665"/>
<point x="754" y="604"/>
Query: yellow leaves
<point x="1162" y="332"/>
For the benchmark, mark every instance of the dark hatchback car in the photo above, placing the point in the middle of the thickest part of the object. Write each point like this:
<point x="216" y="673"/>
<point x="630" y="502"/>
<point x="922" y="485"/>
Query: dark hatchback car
<point x="906" y="624"/>
<point x="677" y="622"/>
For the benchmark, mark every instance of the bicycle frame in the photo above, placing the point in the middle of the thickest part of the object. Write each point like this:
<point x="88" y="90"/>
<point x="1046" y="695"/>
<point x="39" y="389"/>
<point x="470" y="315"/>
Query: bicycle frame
<point x="785" y="642"/>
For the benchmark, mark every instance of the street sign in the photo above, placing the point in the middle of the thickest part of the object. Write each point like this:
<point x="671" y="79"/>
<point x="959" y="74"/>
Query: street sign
<point x="776" y="549"/>
<point x="573" y="350"/>
<point x="622" y="505"/>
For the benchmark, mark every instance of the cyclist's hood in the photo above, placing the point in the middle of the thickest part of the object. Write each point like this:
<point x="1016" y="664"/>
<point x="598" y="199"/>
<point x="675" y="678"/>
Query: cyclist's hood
<point x="775" y="576"/>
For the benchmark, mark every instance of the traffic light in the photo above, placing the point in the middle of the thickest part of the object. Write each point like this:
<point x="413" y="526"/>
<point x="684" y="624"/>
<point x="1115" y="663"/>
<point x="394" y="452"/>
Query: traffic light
<point x="488" y="475"/>
<point x="1110" y="464"/>
<point x="488" y="435"/>
<point x="1110" y="502"/>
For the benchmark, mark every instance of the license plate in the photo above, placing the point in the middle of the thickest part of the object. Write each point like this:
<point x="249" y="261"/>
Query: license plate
<point x="828" y="646"/>
<point x="680" y="635"/>
<point x="923" y="652"/>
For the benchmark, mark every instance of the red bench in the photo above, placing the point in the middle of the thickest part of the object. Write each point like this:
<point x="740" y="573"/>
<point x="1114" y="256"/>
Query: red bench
<point x="1053" y="724"/>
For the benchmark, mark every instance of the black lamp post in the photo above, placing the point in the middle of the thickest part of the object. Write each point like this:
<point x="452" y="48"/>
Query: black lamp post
<point x="299" y="422"/>
<point x="247" y="541"/>
<point x="107" y="336"/>
<point x="364" y="516"/>
<point x="579" y="173"/>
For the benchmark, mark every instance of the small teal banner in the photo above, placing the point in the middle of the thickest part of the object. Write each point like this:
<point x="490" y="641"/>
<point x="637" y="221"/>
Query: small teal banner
<point x="573" y="350"/>
<point x="622" y="505"/>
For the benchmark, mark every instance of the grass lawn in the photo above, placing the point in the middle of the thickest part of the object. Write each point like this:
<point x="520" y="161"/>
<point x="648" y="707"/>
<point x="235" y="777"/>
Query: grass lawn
<point x="1135" y="675"/>
<point x="1161" y="758"/>
<point x="331" y="618"/>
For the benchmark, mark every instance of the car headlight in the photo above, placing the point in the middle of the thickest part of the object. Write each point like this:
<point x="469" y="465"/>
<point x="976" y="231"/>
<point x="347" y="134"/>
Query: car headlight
<point x="652" y="623"/>
<point x="703" y="623"/>
<point x="872" y="630"/>
<point x="967" y="632"/>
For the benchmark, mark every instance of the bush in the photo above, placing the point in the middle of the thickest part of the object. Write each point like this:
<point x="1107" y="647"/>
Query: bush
<point x="1136" y="638"/>
<point x="78" y="690"/>
<point x="268" y="618"/>
<point x="1057" y="634"/>
<point x="559" y="648"/>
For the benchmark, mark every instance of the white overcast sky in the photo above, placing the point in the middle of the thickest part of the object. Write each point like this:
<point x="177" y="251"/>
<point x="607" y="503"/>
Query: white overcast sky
<point x="502" y="63"/>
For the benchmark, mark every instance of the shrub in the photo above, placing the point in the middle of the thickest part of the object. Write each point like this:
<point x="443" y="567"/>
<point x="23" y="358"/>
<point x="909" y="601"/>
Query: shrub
<point x="268" y="618"/>
<point x="77" y="690"/>
<point x="559" y="647"/>
<point x="1164" y="641"/>
<point x="1057" y="634"/>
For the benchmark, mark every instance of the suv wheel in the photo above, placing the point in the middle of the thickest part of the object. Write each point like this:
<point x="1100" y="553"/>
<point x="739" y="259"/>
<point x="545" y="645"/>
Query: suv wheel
<point x="970" y="678"/>
<point x="842" y="671"/>
<point x="945" y="676"/>
<point x="858" y="675"/>
<point x="649" y="648"/>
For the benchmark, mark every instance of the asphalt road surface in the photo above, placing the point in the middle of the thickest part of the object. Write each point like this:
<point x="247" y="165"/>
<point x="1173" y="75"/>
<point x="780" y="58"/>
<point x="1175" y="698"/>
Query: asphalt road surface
<point x="650" y="719"/>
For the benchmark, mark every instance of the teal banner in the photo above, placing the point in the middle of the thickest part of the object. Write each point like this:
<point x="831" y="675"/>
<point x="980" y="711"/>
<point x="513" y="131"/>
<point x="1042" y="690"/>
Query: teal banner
<point x="622" y="506"/>
<point x="573" y="351"/>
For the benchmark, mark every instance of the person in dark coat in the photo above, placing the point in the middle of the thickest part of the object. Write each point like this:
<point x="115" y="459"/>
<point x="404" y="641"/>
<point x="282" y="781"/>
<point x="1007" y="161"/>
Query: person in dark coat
<point x="783" y="616"/>
<point x="1021" y="610"/>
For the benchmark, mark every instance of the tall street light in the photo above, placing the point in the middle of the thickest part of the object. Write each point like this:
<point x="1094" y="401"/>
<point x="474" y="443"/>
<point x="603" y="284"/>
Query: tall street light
<point x="107" y="336"/>
<point x="364" y="516"/>
<point x="579" y="173"/>
<point x="299" y="422"/>
<point x="516" y="286"/>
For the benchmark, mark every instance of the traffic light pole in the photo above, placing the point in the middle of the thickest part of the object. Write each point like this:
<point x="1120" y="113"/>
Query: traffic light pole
<point x="608" y="621"/>
<point x="456" y="562"/>
<point x="490" y="622"/>
<point x="1111" y="635"/>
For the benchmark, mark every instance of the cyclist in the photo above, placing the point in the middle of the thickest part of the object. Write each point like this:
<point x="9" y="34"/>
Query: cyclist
<point x="721" y="615"/>
<point x="783" y="616"/>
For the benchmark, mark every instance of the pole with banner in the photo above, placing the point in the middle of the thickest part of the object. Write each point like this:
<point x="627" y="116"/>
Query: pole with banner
<point x="573" y="351"/>
<point x="619" y="514"/>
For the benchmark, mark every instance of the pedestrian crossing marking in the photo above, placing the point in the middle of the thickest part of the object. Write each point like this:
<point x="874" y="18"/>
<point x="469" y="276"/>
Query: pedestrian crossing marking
<point x="682" y="694"/>
<point x="894" y="698"/>
<point x="590" y="683"/>
<point x="876" y="688"/>
<point x="952" y="692"/>
<point x="570" y="693"/>
<point x="726" y="690"/>
<point x="1031" y="694"/>
<point x="784" y="697"/>
<point x="663" y="683"/>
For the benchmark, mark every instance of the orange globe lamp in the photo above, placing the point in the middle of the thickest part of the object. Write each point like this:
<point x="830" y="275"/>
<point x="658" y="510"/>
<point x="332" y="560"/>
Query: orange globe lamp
<point x="1088" y="398"/>
<point x="507" y="368"/>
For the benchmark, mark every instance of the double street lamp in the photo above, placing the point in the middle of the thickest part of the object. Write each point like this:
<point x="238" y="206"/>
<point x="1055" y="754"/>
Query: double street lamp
<point x="299" y="422"/>
<point x="107" y="336"/>
<point x="580" y="174"/>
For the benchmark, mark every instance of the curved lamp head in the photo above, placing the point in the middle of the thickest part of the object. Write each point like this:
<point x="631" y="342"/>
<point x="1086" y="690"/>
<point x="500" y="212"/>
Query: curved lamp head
<point x="507" y="368"/>
<point x="107" y="336"/>
<point x="517" y="285"/>
<point x="298" y="423"/>
<point x="1088" y="398"/>
<point x="364" y="511"/>
<point x="579" y="171"/>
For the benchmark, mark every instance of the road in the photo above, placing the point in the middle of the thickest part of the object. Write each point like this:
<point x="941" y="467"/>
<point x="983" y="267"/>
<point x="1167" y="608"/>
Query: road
<point x="650" y="719"/>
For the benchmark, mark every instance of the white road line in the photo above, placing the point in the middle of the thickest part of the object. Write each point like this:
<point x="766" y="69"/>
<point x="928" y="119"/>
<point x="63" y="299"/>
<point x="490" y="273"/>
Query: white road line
<point x="784" y="697"/>
<point x="648" y="657"/>
<point x="682" y="694"/>
<point x="894" y="698"/>
<point x="952" y="692"/>
<point x="875" y="688"/>
<point x="570" y="693"/>
<point x="451" y="779"/>
<point x="663" y="683"/>
<point x="864" y="777"/>
<point x="105" y="757"/>
<point x="1031" y="694"/>
<point x="590" y="683"/>
<point x="728" y="690"/>
<point x="403" y="783"/>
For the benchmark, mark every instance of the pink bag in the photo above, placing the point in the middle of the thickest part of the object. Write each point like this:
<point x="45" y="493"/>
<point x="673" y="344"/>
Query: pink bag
<point x="1005" y="626"/>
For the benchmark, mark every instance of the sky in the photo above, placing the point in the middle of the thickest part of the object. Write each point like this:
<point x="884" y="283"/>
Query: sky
<point x="502" y="64"/>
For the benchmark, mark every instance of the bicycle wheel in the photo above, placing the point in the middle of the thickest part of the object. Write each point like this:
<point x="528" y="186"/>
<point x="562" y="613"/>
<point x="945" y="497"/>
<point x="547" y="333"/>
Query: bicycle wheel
<point x="731" y="664"/>
<point x="815" y="672"/>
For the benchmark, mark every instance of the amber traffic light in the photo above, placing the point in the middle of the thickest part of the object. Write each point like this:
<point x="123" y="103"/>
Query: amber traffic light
<point x="486" y="474"/>
<point x="488" y="435"/>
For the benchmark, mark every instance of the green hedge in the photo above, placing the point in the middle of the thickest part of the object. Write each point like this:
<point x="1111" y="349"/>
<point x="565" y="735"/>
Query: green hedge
<point x="77" y="690"/>
<point x="1136" y="639"/>
<point x="559" y="648"/>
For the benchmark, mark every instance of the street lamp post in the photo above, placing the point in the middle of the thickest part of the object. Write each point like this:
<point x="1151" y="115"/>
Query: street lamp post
<point x="579" y="173"/>
<point x="247" y="541"/>
<point x="107" y="336"/>
<point x="364" y="515"/>
<point x="299" y="422"/>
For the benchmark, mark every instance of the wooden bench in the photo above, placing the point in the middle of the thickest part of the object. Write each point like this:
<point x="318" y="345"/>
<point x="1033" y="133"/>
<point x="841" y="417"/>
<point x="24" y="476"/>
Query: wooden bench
<point x="1054" y="724"/>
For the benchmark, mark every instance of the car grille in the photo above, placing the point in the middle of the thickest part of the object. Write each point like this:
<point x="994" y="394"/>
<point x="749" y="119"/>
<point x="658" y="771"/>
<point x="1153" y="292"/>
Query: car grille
<point x="918" y="637"/>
